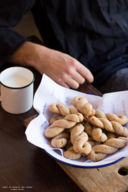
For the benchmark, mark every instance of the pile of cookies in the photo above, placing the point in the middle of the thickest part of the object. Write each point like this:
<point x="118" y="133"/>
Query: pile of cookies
<point x="83" y="131"/>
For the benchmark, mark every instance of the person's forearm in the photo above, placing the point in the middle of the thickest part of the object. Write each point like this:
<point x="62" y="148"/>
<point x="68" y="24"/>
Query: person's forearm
<point x="26" y="54"/>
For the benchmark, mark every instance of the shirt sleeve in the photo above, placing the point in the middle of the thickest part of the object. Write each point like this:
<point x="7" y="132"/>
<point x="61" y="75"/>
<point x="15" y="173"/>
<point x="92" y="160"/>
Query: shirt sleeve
<point x="10" y="40"/>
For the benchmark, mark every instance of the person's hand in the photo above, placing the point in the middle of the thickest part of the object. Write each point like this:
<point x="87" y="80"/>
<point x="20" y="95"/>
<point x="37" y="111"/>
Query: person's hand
<point x="62" y="68"/>
<point x="65" y="70"/>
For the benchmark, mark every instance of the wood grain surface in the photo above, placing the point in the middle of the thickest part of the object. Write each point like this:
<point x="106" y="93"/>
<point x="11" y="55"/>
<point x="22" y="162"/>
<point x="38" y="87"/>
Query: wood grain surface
<point x="107" y="179"/>
<point x="24" y="167"/>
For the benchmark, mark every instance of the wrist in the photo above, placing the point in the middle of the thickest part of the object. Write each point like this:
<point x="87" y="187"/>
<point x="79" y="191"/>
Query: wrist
<point x="27" y="54"/>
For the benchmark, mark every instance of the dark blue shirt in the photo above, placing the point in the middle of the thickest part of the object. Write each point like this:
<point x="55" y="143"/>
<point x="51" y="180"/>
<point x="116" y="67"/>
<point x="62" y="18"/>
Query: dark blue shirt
<point x="93" y="31"/>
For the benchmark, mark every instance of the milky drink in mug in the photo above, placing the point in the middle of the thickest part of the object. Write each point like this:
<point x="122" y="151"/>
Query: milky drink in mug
<point x="16" y="89"/>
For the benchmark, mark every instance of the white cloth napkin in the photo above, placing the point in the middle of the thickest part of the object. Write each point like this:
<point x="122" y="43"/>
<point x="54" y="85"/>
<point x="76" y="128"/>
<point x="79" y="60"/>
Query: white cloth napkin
<point x="50" y="92"/>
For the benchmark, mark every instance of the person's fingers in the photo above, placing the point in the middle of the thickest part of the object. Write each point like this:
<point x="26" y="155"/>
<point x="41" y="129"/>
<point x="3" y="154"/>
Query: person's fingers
<point x="65" y="85"/>
<point x="71" y="82"/>
<point x="77" y="77"/>
<point x="62" y="83"/>
<point x="85" y="72"/>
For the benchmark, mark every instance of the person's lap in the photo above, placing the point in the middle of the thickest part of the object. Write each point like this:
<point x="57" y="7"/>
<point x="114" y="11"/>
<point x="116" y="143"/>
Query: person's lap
<point x="117" y="82"/>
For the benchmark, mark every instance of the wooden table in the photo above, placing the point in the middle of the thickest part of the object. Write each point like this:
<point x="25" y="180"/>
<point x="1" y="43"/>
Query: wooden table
<point x="24" y="167"/>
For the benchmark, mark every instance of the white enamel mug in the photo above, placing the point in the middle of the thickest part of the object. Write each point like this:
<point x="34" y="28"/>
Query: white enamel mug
<point x="16" y="89"/>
